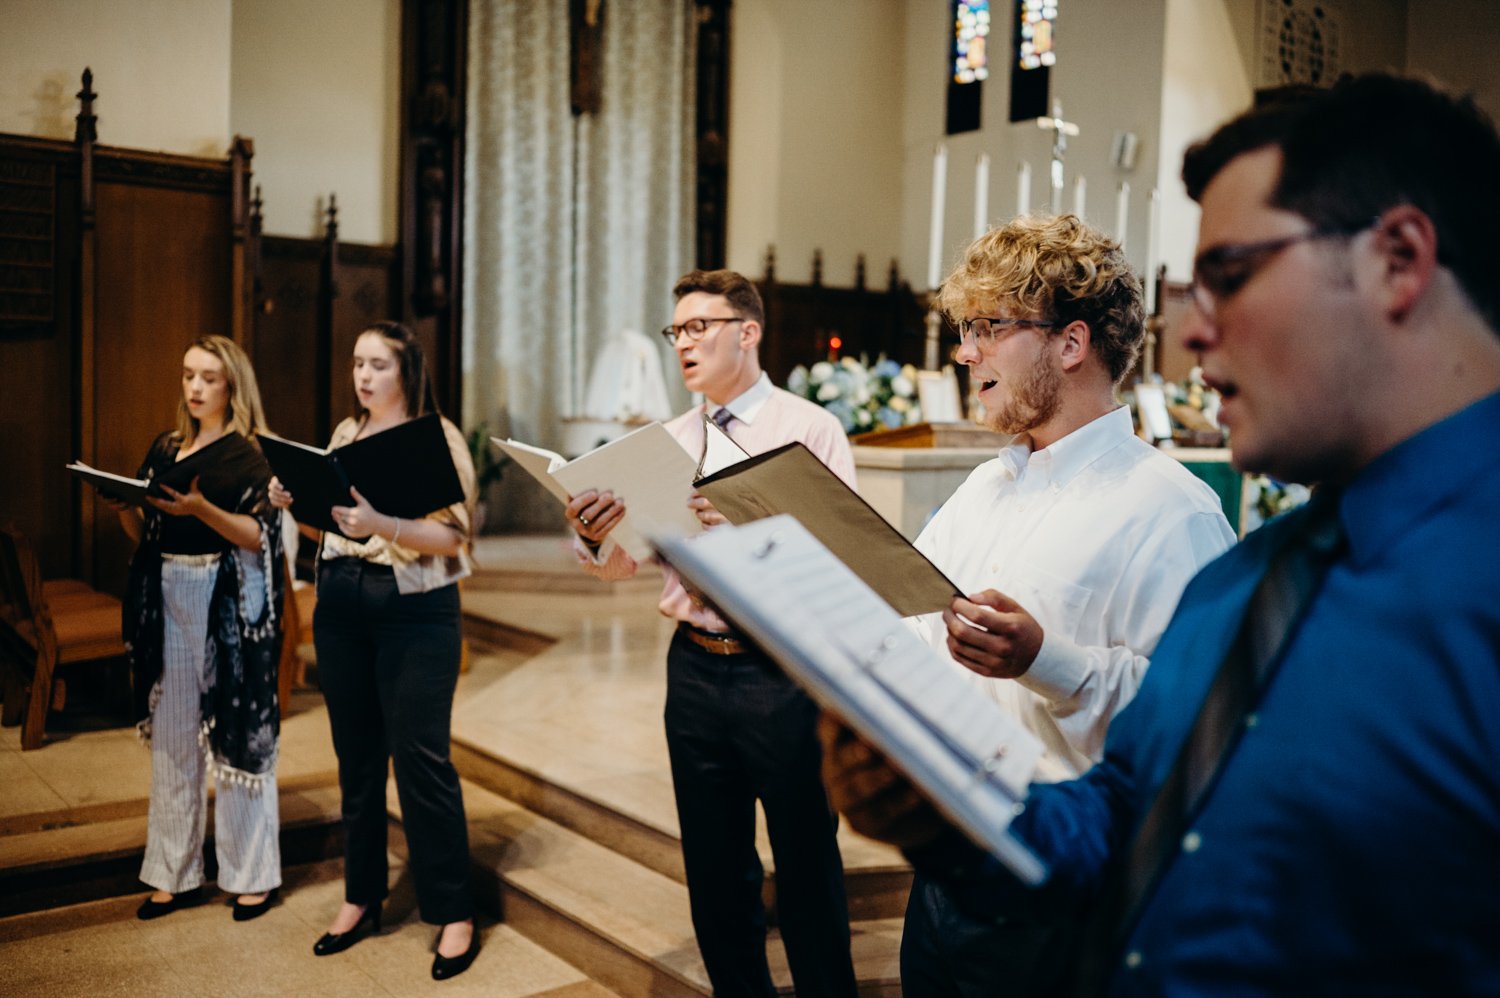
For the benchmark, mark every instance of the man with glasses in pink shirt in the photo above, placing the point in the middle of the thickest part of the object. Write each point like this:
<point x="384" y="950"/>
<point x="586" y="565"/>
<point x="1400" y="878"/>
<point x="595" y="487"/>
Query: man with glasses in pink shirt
<point x="738" y="729"/>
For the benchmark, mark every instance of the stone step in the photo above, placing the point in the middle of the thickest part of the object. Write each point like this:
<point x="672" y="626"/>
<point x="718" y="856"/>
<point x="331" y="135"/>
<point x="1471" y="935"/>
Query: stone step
<point x="73" y="855"/>
<point x="877" y="879"/>
<point x="623" y="924"/>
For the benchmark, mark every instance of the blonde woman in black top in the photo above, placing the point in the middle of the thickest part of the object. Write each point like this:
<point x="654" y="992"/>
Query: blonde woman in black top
<point x="203" y="621"/>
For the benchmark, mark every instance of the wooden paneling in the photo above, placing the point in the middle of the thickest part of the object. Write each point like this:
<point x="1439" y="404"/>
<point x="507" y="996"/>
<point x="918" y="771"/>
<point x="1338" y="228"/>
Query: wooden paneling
<point x="163" y="280"/>
<point x="803" y="319"/>
<point x="37" y="388"/>
<point x="303" y="370"/>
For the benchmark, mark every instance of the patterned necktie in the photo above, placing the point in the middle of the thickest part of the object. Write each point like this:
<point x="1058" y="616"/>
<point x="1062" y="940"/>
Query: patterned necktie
<point x="722" y="418"/>
<point x="1274" y="610"/>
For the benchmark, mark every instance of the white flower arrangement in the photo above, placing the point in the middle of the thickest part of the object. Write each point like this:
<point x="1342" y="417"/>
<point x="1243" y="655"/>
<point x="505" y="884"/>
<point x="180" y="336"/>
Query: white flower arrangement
<point x="862" y="397"/>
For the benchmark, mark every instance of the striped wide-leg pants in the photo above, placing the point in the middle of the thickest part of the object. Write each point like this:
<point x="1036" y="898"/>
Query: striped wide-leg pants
<point x="246" y="821"/>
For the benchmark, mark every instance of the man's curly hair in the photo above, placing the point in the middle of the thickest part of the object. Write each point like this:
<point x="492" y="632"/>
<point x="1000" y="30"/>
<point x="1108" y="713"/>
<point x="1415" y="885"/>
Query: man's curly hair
<point x="1058" y="268"/>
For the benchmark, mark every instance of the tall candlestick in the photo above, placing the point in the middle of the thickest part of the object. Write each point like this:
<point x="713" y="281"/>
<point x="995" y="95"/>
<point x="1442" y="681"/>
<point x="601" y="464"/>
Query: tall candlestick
<point x="939" y="196"/>
<point x="1080" y="195"/>
<point x="1122" y="212"/>
<point x="1023" y="189"/>
<point x="981" y="195"/>
<point x="1153" y="235"/>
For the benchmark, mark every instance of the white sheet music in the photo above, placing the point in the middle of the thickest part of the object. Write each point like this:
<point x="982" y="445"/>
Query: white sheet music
<point x="832" y="633"/>
<point x="647" y="468"/>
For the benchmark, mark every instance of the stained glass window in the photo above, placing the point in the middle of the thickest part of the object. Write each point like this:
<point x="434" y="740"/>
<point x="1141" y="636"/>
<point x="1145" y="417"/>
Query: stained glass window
<point x="1035" y="48"/>
<point x="971" y="30"/>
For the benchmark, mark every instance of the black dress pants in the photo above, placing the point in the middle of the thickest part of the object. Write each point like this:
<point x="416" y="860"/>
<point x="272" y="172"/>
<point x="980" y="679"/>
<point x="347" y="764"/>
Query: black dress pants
<point x="388" y="665"/>
<point x="947" y="954"/>
<point x="738" y="729"/>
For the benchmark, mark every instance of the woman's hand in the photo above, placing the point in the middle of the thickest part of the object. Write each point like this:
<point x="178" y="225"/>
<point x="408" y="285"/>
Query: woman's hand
<point x="189" y="503"/>
<point x="280" y="497"/>
<point x="118" y="505"/>
<point x="360" y="520"/>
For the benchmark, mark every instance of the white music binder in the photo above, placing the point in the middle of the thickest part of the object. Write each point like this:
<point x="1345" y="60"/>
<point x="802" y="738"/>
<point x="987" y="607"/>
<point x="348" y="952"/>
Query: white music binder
<point x="830" y="631"/>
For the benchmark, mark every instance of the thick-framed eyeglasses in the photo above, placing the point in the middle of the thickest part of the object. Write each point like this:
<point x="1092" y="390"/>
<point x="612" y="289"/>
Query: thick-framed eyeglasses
<point x="1220" y="272"/>
<point x="988" y="329"/>
<point x="695" y="329"/>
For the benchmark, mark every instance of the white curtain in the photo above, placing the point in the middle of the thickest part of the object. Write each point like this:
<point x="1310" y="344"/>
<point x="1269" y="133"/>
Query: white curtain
<point x="575" y="227"/>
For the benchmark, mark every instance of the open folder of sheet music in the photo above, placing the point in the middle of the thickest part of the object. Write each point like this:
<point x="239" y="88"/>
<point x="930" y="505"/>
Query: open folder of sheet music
<point x="775" y="582"/>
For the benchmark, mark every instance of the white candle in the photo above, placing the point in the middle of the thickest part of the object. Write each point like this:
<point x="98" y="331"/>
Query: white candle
<point x="1023" y="189"/>
<point x="939" y="196"/>
<point x="1122" y="212"/>
<point x="981" y="195"/>
<point x="1153" y="234"/>
<point x="1080" y="195"/>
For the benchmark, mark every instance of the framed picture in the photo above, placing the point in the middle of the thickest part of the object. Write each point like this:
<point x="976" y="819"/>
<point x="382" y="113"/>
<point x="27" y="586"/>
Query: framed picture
<point x="937" y="394"/>
<point x="1151" y="411"/>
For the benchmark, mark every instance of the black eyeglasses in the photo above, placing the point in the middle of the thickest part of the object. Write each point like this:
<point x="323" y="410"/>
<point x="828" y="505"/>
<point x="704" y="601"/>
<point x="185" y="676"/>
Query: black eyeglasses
<point x="1220" y="272"/>
<point x="987" y="329"/>
<point x="695" y="329"/>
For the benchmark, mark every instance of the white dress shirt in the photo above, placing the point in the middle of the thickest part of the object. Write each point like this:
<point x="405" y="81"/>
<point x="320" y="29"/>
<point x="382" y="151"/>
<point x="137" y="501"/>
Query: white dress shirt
<point x="1096" y="536"/>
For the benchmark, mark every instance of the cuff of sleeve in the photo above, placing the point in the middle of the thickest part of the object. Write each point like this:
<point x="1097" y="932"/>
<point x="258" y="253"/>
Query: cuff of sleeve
<point x="1059" y="670"/>
<point x="590" y="553"/>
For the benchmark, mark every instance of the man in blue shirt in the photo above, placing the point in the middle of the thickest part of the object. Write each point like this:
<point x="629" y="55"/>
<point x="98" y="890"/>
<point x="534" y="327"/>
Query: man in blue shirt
<point x="1347" y="839"/>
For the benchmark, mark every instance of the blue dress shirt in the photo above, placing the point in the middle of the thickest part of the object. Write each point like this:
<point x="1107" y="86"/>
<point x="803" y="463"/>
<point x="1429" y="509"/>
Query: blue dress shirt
<point x="1351" y="844"/>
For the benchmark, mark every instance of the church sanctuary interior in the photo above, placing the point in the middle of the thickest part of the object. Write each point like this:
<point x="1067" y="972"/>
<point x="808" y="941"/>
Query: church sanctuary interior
<point x="522" y="182"/>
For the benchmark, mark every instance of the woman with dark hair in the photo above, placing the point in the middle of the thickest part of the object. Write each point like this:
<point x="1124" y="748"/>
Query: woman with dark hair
<point x="202" y="620"/>
<point x="386" y="630"/>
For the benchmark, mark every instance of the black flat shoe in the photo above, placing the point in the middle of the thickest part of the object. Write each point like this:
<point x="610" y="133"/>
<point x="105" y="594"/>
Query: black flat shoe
<point x="337" y="942"/>
<point x="150" y="909"/>
<point x="245" y="912"/>
<point x="444" y="967"/>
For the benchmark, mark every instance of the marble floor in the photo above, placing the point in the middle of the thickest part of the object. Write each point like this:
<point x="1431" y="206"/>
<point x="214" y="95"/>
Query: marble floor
<point x="571" y="690"/>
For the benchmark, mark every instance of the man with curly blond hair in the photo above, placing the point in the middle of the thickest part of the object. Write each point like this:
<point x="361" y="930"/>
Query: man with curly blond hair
<point x="1074" y="543"/>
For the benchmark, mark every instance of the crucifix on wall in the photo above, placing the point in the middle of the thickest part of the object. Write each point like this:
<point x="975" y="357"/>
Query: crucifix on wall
<point x="585" y="45"/>
<point x="1060" y="130"/>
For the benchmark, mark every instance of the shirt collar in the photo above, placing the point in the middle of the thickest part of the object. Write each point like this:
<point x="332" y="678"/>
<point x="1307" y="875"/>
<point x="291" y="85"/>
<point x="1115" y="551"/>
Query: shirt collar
<point x="1411" y="481"/>
<point x="1065" y="458"/>
<point x="747" y="404"/>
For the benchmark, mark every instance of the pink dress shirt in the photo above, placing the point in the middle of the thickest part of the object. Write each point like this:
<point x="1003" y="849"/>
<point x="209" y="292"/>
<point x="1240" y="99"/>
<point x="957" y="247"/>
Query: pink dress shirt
<point x="765" y="417"/>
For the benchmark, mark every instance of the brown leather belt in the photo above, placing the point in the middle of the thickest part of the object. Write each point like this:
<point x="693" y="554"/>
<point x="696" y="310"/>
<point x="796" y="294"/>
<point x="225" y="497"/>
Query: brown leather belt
<point x="714" y="644"/>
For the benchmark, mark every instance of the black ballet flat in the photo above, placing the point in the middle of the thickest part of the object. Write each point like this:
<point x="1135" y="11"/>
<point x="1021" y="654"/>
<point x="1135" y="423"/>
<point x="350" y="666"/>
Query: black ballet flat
<point x="444" y="967"/>
<point x="150" y="909"/>
<point x="245" y="912"/>
<point x="337" y="942"/>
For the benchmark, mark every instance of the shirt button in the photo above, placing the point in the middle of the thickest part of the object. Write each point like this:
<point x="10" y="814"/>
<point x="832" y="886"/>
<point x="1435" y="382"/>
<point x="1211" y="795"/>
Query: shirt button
<point x="1251" y="720"/>
<point x="1191" y="841"/>
<point x="1132" y="959"/>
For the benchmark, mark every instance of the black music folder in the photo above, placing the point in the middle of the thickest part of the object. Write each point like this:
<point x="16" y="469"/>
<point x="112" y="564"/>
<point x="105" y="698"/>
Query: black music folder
<point x="792" y="480"/>
<point x="222" y="469"/>
<point x="406" y="471"/>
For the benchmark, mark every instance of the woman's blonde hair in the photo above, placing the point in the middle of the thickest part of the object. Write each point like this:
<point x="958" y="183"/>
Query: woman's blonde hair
<point x="1053" y="267"/>
<point x="245" y="416"/>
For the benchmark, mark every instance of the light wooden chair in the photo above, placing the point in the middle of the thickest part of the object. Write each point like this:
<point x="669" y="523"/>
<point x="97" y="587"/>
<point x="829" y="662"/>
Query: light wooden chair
<point x="45" y="626"/>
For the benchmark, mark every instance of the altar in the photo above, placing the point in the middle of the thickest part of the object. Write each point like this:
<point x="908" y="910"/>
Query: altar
<point x="907" y="474"/>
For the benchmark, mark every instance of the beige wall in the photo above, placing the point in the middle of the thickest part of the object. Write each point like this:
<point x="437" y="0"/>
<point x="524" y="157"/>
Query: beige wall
<point x="161" y="69"/>
<point x="814" y="143"/>
<point x="1108" y="79"/>
<point x="1457" y="42"/>
<point x="316" y="84"/>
